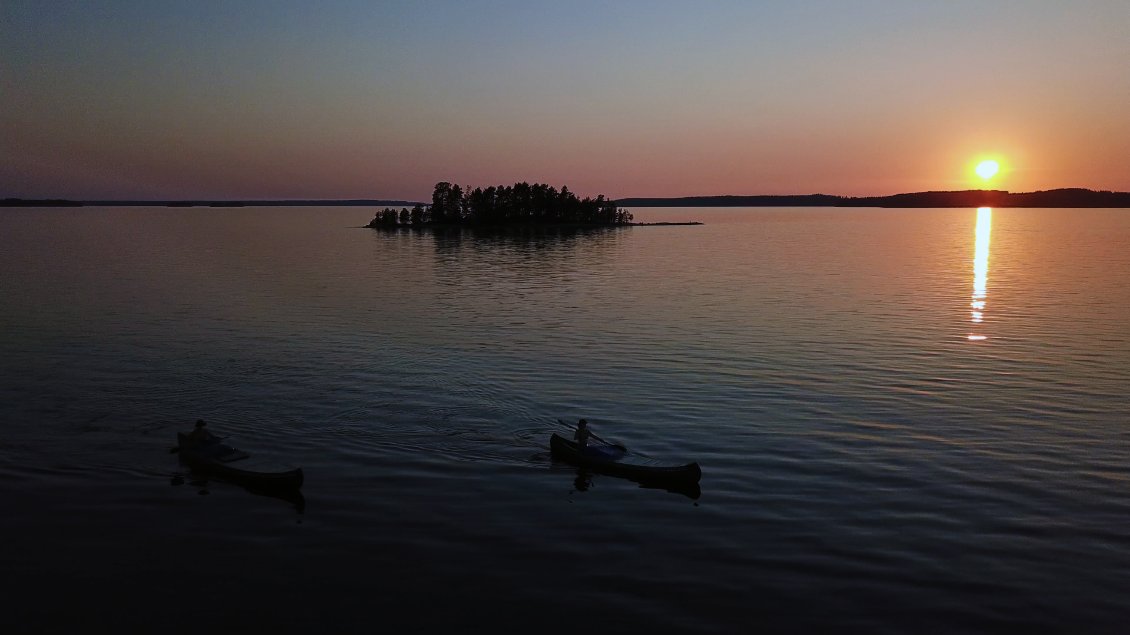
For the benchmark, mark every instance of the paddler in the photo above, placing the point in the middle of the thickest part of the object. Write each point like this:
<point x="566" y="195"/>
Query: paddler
<point x="582" y="435"/>
<point x="200" y="433"/>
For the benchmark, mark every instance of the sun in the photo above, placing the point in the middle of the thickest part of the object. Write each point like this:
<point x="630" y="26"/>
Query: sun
<point x="987" y="169"/>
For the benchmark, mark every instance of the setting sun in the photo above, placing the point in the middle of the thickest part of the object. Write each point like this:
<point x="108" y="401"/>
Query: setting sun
<point x="987" y="169"/>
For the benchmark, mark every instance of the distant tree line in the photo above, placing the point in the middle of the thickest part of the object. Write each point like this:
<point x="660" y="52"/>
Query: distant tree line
<point x="1064" y="197"/>
<point x="518" y="204"/>
<point x="762" y="200"/>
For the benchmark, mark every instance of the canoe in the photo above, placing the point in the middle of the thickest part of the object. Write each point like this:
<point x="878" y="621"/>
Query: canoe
<point x="215" y="459"/>
<point x="615" y="461"/>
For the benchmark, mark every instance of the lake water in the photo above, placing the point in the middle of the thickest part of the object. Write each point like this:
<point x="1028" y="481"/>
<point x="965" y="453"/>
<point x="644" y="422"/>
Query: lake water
<point x="907" y="421"/>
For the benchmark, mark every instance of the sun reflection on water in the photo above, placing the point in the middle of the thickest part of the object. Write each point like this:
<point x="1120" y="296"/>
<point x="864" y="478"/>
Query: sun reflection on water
<point x="980" y="270"/>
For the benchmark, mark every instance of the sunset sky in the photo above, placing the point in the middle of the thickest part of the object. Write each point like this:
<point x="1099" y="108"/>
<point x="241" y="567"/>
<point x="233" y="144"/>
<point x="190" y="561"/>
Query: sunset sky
<point x="284" y="99"/>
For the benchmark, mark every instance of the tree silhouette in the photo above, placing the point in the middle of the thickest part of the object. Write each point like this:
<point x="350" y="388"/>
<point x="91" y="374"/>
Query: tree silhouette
<point x="518" y="204"/>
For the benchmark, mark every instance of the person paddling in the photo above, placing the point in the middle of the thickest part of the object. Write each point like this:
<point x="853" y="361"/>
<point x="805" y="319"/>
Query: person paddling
<point x="200" y="433"/>
<point x="582" y="435"/>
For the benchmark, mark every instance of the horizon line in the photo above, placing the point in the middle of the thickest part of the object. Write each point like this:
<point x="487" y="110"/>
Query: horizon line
<point x="637" y="200"/>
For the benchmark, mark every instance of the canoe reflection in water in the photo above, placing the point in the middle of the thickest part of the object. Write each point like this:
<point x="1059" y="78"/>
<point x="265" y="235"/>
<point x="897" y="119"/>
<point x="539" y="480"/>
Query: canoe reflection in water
<point x="583" y="482"/>
<point x="202" y="480"/>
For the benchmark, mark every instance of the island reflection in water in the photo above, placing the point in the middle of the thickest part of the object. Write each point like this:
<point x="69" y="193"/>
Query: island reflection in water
<point x="980" y="272"/>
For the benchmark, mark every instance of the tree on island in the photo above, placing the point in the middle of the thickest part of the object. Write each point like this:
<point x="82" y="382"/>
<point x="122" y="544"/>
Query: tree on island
<point x="519" y="204"/>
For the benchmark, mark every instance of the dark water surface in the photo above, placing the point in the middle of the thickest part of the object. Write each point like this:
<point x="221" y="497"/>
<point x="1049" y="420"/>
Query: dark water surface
<point x="907" y="421"/>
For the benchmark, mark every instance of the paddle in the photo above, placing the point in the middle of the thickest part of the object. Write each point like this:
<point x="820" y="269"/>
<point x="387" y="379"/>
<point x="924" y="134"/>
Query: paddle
<point x="593" y="435"/>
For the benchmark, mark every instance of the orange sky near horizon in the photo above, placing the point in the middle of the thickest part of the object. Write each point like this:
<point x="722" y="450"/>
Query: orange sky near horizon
<point x="273" y="101"/>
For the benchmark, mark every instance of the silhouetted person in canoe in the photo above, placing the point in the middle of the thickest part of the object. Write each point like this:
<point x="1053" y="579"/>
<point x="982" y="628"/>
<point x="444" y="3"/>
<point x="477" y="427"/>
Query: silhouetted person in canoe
<point x="200" y="433"/>
<point x="582" y="435"/>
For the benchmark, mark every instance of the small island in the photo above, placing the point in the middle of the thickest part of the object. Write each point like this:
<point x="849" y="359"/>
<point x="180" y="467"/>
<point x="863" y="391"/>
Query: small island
<point x="521" y="204"/>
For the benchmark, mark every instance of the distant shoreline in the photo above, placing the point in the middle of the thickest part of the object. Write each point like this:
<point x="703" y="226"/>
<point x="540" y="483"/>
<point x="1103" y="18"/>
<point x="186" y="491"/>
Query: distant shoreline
<point x="1064" y="197"/>
<point x="357" y="202"/>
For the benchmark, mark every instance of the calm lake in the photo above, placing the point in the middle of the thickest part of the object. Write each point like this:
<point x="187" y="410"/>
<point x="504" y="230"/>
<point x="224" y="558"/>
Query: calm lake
<point x="908" y="421"/>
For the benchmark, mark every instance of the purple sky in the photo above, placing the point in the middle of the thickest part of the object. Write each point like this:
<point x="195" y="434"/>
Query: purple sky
<point x="358" y="99"/>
